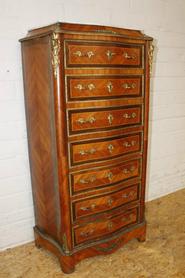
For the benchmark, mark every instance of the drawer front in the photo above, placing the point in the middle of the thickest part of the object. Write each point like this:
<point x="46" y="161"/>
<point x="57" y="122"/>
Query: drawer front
<point x="100" y="204"/>
<point x="100" y="119"/>
<point x="106" y="55"/>
<point x="94" y="87"/>
<point x="100" y="150"/>
<point x="107" y="176"/>
<point x="105" y="227"/>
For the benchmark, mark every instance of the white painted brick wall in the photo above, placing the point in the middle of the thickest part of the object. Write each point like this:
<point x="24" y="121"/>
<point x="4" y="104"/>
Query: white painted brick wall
<point x="162" y="19"/>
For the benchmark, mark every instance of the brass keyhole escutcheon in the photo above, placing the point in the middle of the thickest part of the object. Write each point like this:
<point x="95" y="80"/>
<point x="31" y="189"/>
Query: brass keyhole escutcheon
<point x="110" y="226"/>
<point x="110" y="118"/>
<point x="110" y="87"/>
<point x="110" y="148"/>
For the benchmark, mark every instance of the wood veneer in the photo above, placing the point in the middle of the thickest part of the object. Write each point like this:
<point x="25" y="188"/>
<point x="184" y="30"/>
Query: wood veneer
<point x="87" y="101"/>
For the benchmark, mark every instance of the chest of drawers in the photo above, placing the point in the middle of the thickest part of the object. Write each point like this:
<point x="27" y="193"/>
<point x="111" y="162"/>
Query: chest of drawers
<point x="86" y="97"/>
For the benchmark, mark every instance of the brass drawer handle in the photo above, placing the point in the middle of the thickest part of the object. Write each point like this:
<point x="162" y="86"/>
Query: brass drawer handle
<point x="130" y="194"/>
<point x="109" y="226"/>
<point x="131" y="144"/>
<point x="89" y="180"/>
<point x="88" y="54"/>
<point x="110" y="87"/>
<point x="86" y="152"/>
<point x="81" y="87"/>
<point x="90" y="120"/>
<point x="110" y="118"/>
<point x="109" y="176"/>
<point x="129" y="171"/>
<point x="87" y="234"/>
<point x="110" y="148"/>
<point x="88" y="208"/>
<point x="130" y="116"/>
<point x="129" y="85"/>
<point x="129" y="57"/>
<point x="125" y="195"/>
<point x="110" y="201"/>
<point x="110" y="54"/>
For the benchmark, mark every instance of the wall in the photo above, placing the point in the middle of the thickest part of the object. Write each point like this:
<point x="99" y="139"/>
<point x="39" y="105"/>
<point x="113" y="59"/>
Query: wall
<point x="162" y="19"/>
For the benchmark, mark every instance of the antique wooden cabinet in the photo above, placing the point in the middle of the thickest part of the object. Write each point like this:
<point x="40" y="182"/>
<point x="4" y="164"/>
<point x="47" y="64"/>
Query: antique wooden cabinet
<point x="86" y="97"/>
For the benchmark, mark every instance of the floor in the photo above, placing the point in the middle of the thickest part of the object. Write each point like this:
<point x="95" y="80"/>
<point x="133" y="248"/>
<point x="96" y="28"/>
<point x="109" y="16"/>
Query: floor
<point x="162" y="255"/>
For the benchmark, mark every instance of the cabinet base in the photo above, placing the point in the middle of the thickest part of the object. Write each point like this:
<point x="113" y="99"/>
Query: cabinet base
<point x="68" y="261"/>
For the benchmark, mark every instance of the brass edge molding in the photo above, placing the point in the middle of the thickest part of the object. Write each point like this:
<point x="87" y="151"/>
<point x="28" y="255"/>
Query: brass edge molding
<point x="55" y="43"/>
<point x="88" y="245"/>
<point x="64" y="245"/>
<point x="106" y="33"/>
<point x="150" y="57"/>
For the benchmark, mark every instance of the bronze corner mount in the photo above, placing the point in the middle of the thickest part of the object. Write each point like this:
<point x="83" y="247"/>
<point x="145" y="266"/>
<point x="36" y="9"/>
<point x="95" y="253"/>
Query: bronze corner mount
<point x="55" y="44"/>
<point x="150" y="57"/>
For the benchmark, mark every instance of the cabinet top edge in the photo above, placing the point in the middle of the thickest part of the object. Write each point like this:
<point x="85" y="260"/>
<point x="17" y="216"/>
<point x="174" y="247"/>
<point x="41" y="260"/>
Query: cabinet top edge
<point x="63" y="27"/>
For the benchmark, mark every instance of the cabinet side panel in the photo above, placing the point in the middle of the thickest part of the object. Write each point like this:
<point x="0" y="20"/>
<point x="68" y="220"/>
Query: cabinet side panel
<point x="146" y="123"/>
<point x="41" y="133"/>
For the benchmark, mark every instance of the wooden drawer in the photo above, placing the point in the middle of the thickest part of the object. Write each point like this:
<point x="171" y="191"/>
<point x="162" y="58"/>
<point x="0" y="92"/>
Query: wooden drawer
<point x="83" y="88"/>
<point x="107" y="176"/>
<point x="105" y="54"/>
<point x="98" y="229"/>
<point x="107" y="202"/>
<point x="101" y="149"/>
<point x="80" y="121"/>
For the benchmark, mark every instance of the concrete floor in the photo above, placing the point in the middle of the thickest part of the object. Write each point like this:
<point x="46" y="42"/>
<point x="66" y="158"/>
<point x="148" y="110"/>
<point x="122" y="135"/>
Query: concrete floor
<point x="162" y="255"/>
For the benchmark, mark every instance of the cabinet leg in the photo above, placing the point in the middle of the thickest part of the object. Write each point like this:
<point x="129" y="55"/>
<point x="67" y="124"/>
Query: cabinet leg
<point x="37" y="244"/>
<point x="67" y="264"/>
<point x="142" y="237"/>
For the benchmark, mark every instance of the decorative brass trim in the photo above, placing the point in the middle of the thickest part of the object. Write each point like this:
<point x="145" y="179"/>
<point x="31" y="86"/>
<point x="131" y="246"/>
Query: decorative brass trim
<point x="55" y="43"/>
<point x="110" y="118"/>
<point x="64" y="245"/>
<point x="109" y="176"/>
<point x="87" y="234"/>
<point x="129" y="57"/>
<point x="87" y="152"/>
<point x="79" y="53"/>
<point x="126" y="144"/>
<point x="109" y="203"/>
<point x="130" y="116"/>
<point x="76" y="249"/>
<point x="90" y="120"/>
<point x="91" y="207"/>
<point x="110" y="87"/>
<point x="129" y="171"/>
<point x="91" y="179"/>
<point x="89" y="87"/>
<point x="110" y="148"/>
<point x="110" y="54"/>
<point x="129" y="86"/>
<point x="150" y="57"/>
